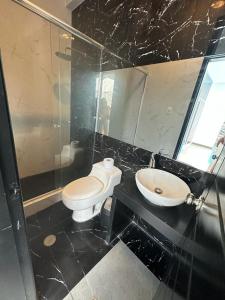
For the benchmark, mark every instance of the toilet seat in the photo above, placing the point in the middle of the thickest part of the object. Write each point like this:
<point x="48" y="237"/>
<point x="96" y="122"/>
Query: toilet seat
<point x="83" y="188"/>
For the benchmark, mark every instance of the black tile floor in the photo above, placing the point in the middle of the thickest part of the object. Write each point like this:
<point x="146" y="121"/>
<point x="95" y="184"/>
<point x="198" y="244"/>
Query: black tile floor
<point x="78" y="248"/>
<point x="150" y="253"/>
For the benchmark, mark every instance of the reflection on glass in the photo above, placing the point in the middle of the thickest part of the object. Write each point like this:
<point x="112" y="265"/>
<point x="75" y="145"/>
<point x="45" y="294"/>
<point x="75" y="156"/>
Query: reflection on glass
<point x="166" y="98"/>
<point x="50" y="82"/>
<point x="106" y="103"/>
<point x="204" y="136"/>
<point x="119" y="103"/>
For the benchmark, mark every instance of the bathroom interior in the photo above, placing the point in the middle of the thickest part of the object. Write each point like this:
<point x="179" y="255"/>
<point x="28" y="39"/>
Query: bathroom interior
<point x="112" y="159"/>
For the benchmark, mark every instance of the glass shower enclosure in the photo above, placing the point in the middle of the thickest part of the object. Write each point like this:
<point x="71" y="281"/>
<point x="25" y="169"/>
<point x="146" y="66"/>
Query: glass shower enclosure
<point x="54" y="78"/>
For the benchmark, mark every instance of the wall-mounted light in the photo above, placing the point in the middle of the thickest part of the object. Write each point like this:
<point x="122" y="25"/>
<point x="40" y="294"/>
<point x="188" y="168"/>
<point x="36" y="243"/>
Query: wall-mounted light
<point x="218" y="4"/>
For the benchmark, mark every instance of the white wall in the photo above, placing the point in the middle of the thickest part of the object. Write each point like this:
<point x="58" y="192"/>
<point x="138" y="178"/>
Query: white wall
<point x="167" y="95"/>
<point x="28" y="44"/>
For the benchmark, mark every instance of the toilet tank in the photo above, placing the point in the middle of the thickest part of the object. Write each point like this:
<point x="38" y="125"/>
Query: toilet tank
<point x="110" y="176"/>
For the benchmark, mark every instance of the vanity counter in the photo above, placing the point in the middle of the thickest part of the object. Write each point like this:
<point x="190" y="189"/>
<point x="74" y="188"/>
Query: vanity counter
<point x="172" y="222"/>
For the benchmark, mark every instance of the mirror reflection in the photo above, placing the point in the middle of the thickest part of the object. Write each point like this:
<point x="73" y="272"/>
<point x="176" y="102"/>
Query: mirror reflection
<point x="203" y="136"/>
<point x="120" y="101"/>
<point x="174" y="108"/>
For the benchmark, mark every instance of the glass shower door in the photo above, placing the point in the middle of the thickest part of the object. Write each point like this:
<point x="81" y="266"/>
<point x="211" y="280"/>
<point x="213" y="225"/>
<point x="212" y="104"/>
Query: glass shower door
<point x="76" y="92"/>
<point x="51" y="80"/>
<point x="31" y="75"/>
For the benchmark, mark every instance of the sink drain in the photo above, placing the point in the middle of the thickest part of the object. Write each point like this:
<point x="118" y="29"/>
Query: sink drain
<point x="158" y="191"/>
<point x="49" y="240"/>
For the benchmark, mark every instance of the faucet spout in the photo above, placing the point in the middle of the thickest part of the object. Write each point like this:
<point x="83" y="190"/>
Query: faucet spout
<point x="152" y="161"/>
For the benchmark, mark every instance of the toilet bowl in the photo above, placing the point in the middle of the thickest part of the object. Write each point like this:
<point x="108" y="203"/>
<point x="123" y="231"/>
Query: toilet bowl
<point x="85" y="196"/>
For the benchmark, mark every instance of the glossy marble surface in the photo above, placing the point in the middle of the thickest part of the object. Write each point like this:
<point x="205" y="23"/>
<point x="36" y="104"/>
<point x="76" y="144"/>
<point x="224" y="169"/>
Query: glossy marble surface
<point x="198" y="271"/>
<point x="127" y="157"/>
<point x="196" y="268"/>
<point x="147" y="32"/>
<point x="130" y="159"/>
<point x="182" y="268"/>
<point x="119" y="275"/>
<point x="82" y="246"/>
<point x="171" y="222"/>
<point x="148" y="249"/>
<point x="77" y="249"/>
<point x="192" y="266"/>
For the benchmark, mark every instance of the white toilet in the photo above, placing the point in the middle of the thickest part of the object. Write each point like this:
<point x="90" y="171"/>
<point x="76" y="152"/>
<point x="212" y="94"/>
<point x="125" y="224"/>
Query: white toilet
<point x="85" y="196"/>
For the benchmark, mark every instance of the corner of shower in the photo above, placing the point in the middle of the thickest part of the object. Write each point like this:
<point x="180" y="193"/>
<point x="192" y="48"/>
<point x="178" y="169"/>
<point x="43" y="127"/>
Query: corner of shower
<point x="54" y="132"/>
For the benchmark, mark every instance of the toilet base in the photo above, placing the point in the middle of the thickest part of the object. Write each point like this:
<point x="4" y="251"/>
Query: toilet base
<point x="86" y="214"/>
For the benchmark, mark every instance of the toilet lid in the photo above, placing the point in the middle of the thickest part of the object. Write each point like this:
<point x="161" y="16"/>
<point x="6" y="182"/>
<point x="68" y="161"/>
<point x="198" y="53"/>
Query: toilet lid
<point x="83" y="188"/>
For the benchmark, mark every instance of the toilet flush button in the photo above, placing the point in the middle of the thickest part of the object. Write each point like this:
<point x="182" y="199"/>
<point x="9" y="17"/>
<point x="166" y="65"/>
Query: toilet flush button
<point x="108" y="163"/>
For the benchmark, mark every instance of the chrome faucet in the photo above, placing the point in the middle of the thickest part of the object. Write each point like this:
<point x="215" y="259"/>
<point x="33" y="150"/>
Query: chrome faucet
<point x="152" y="161"/>
<point x="162" y="151"/>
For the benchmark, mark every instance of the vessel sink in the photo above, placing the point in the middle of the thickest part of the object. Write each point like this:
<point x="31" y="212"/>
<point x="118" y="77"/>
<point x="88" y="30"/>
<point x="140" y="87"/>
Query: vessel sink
<point x="161" y="187"/>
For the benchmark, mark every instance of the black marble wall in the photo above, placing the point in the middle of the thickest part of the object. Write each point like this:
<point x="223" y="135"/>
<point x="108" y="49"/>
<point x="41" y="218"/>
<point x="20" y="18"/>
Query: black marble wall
<point x="130" y="159"/>
<point x="146" y="32"/>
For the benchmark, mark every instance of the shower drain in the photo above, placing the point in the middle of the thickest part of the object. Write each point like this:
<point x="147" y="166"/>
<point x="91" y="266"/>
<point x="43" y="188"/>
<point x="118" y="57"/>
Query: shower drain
<point x="49" y="240"/>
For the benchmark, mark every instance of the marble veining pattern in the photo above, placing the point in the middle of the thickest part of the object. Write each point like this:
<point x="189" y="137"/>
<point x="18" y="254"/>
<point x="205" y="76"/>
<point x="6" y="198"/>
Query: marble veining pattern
<point x="77" y="249"/>
<point x="127" y="157"/>
<point x="130" y="159"/>
<point x="58" y="269"/>
<point x="145" y="32"/>
<point x="148" y="249"/>
<point x="119" y="275"/>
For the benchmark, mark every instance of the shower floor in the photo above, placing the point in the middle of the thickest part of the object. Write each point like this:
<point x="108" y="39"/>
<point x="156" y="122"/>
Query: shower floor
<point x="33" y="186"/>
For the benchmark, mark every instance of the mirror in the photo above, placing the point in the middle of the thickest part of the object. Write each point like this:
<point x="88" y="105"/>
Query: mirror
<point x="120" y="100"/>
<point x="167" y="95"/>
<point x="176" y="108"/>
<point x="203" y="135"/>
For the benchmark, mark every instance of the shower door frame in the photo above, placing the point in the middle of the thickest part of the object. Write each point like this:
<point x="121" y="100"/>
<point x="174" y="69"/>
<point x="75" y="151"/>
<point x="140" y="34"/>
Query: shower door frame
<point x="12" y="191"/>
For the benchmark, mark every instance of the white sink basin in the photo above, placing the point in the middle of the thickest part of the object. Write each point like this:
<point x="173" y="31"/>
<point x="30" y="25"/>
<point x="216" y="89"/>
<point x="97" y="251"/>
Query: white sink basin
<point x="161" y="188"/>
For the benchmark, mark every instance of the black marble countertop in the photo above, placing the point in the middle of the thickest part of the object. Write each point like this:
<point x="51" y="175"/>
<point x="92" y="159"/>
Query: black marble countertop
<point x="172" y="222"/>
